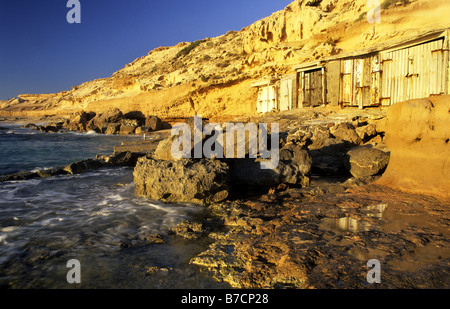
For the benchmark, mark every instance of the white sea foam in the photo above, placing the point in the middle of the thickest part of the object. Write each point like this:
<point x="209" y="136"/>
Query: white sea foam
<point x="9" y="229"/>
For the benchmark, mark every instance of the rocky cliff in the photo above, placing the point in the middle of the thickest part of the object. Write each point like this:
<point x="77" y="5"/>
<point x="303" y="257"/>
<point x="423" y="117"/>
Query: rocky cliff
<point x="212" y="77"/>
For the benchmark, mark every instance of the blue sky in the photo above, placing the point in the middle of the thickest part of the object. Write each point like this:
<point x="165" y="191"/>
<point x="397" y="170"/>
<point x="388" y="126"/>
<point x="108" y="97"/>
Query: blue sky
<point x="40" y="52"/>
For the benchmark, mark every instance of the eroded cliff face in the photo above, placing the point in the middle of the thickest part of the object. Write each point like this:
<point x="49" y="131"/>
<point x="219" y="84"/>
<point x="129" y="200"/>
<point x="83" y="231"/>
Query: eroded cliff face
<point x="212" y="77"/>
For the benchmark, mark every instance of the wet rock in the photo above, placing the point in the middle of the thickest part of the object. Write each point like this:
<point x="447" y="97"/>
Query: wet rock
<point x="196" y="181"/>
<point x="51" y="172"/>
<point x="152" y="239"/>
<point x="30" y="125"/>
<point x="48" y="128"/>
<point x="19" y="176"/>
<point x="188" y="230"/>
<point x="366" y="161"/>
<point x="126" y="158"/>
<point x="81" y="166"/>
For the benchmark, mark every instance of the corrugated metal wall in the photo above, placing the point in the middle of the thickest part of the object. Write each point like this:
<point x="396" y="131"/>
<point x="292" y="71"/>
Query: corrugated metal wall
<point x="414" y="72"/>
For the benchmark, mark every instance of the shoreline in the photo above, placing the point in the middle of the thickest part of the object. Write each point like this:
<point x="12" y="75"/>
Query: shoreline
<point x="319" y="236"/>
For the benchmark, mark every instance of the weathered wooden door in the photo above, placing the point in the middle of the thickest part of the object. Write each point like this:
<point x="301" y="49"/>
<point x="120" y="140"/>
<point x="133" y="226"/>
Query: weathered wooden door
<point x="313" y="88"/>
<point x="286" y="94"/>
<point x="360" y="79"/>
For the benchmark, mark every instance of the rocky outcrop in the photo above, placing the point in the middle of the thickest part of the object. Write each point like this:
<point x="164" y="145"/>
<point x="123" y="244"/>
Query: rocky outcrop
<point x="202" y="182"/>
<point x="418" y="135"/>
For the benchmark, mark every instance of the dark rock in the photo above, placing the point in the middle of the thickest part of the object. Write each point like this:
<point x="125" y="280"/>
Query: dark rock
<point x="125" y="158"/>
<point x="330" y="158"/>
<point x="30" y="125"/>
<point x="51" y="172"/>
<point x="19" y="176"/>
<point x="48" y="128"/>
<point x="136" y="115"/>
<point x="81" y="166"/>
<point x="248" y="173"/>
<point x="154" y="123"/>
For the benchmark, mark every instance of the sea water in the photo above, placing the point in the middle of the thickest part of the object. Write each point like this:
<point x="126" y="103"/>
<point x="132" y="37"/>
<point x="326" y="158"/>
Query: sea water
<point x="93" y="217"/>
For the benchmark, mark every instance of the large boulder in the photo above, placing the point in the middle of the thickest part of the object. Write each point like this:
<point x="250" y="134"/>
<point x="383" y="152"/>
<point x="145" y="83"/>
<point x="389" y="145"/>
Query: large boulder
<point x="128" y="126"/>
<point x="191" y="181"/>
<point x="154" y="123"/>
<point x="136" y="115"/>
<point x="366" y="161"/>
<point x="346" y="132"/>
<point x="79" y="120"/>
<point x="294" y="167"/>
<point x="100" y="122"/>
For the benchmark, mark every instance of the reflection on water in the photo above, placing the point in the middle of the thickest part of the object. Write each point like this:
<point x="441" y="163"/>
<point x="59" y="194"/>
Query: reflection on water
<point x="349" y="224"/>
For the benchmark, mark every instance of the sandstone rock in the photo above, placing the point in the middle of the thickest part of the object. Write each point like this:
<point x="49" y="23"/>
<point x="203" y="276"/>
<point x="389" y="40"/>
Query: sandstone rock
<point x="114" y="115"/>
<point x="111" y="128"/>
<point x="346" y="132"/>
<point x="79" y="120"/>
<point x="298" y="156"/>
<point x="164" y="149"/>
<point x="101" y="121"/>
<point x="154" y="123"/>
<point x="201" y="182"/>
<point x="127" y="129"/>
<point x="142" y="130"/>
<point x="366" y="161"/>
<point x="417" y="134"/>
<point x="367" y="132"/>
